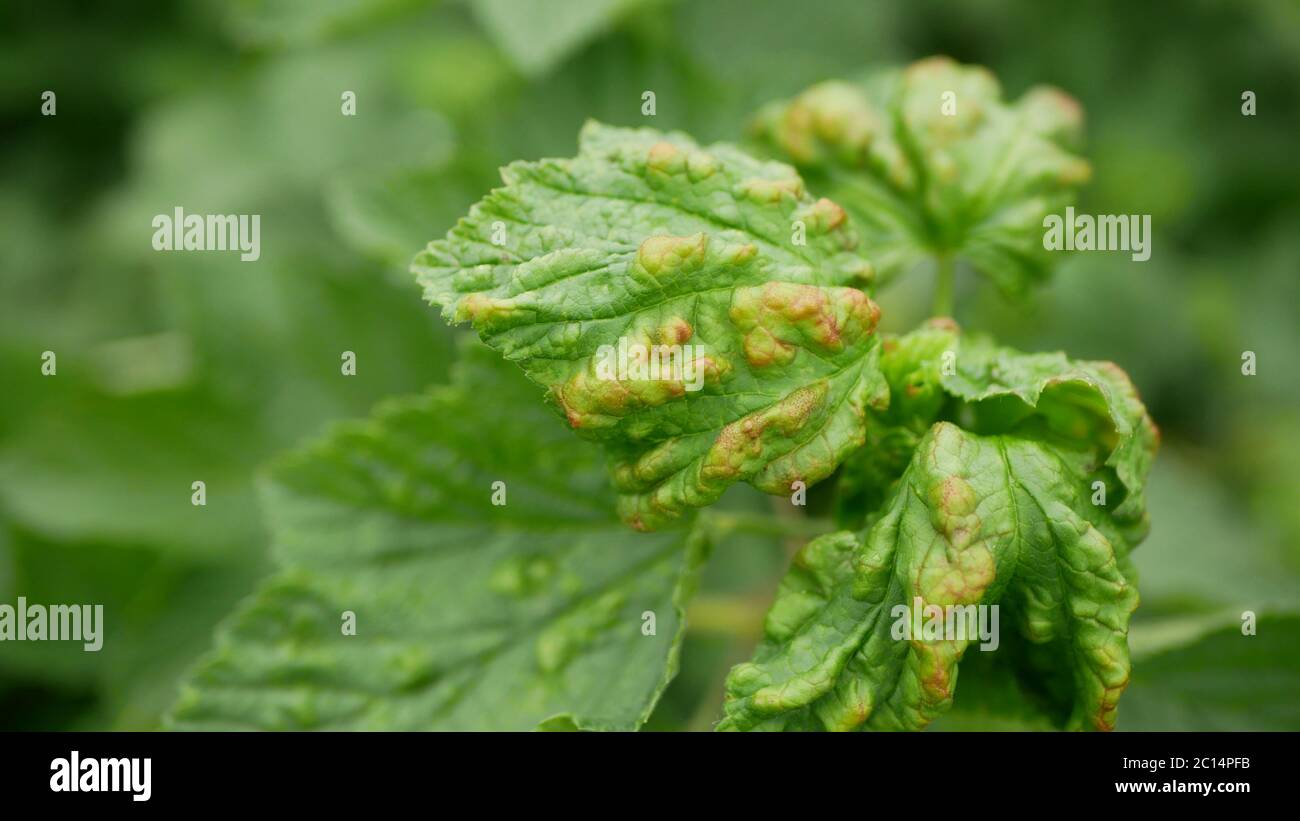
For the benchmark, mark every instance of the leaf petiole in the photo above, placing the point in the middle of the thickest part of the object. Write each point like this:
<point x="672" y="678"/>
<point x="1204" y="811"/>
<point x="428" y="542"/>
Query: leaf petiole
<point x="943" y="287"/>
<point x="724" y="523"/>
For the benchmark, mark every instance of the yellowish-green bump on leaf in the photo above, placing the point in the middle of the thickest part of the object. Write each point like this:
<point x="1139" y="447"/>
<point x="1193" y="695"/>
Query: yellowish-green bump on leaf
<point x="781" y="318"/>
<point x="666" y="159"/>
<point x="700" y="165"/>
<point x="655" y="292"/>
<point x="931" y="161"/>
<point x="522" y="575"/>
<point x="484" y="310"/>
<point x="675" y="330"/>
<point x="772" y="191"/>
<point x="857" y="271"/>
<point x="747" y="440"/>
<point x="559" y="643"/>
<point x="665" y="255"/>
<point x="831" y="119"/>
<point x="660" y="369"/>
<point x="823" y="216"/>
<point x="995" y="512"/>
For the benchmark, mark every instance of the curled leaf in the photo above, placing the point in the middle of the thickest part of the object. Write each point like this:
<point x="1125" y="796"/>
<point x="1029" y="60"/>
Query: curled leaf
<point x="934" y="372"/>
<point x="931" y="161"/>
<point x="975" y="520"/>
<point x="1025" y="492"/>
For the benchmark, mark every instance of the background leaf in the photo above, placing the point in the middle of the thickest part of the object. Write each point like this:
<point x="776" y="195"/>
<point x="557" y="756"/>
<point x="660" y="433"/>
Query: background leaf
<point x="1222" y="681"/>
<point x="536" y="35"/>
<point x="469" y="615"/>
<point x="933" y="164"/>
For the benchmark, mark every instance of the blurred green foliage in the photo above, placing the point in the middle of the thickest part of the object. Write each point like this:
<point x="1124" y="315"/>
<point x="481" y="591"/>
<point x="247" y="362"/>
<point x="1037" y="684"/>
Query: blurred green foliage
<point x="179" y="367"/>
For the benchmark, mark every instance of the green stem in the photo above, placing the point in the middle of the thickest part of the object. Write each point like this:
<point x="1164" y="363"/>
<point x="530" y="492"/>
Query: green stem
<point x="728" y="615"/>
<point x="943" y="287"/>
<point x="725" y="522"/>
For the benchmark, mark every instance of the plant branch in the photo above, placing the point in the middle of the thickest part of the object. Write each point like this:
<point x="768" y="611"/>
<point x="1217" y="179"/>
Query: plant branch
<point x="943" y="287"/>
<point x="723" y="523"/>
<point x="730" y="615"/>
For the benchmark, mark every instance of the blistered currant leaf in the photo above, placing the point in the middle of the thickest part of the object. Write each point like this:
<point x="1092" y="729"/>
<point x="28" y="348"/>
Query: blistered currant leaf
<point x="649" y="250"/>
<point x="975" y="520"/>
<point x="465" y="614"/>
<point x="912" y="365"/>
<point x="996" y="505"/>
<point x="927" y="175"/>
<point x="1088" y="407"/>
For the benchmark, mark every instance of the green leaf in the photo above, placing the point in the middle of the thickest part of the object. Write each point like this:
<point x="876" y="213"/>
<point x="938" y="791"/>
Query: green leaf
<point x="86" y="465"/>
<point x="1205" y="675"/>
<point x="935" y="373"/>
<point x="386" y="215"/>
<point x="920" y="183"/>
<point x="1223" y="680"/>
<point x="911" y="365"/>
<point x="647" y="241"/>
<point x="297" y="23"/>
<point x="975" y="520"/>
<point x="537" y="35"/>
<point x="1001" y="508"/>
<point x="468" y="615"/>
<point x="1200" y="519"/>
<point x="1068" y="402"/>
<point x="159" y="610"/>
<point x="995" y="697"/>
